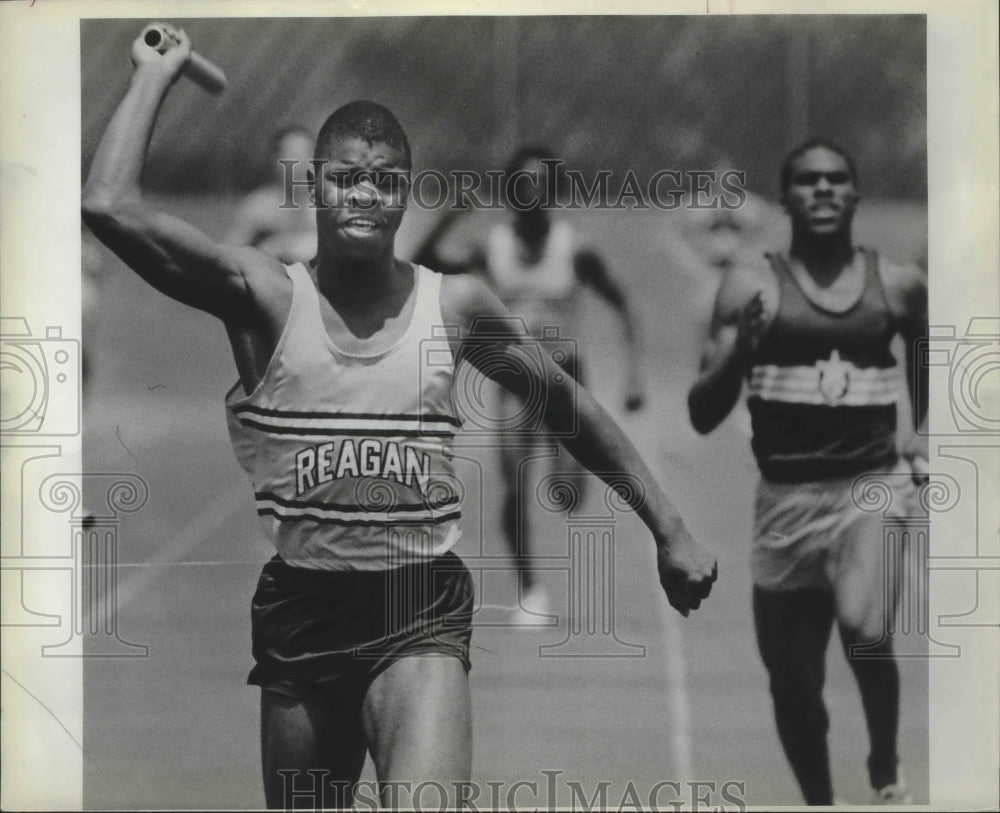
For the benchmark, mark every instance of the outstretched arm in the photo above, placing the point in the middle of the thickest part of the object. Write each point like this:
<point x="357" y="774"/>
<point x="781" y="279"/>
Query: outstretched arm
<point x="492" y="340"/>
<point x="170" y="254"/>
<point x="591" y="270"/>
<point x="739" y="320"/>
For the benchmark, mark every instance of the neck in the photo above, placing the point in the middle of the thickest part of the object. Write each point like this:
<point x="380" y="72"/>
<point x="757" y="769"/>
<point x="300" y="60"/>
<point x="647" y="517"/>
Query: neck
<point x="823" y="256"/>
<point x="350" y="279"/>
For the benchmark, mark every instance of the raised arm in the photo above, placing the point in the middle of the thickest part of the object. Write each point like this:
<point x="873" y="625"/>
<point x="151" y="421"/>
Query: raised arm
<point x="591" y="270"/>
<point x="490" y="338"/>
<point x="170" y="254"/>
<point x="739" y="320"/>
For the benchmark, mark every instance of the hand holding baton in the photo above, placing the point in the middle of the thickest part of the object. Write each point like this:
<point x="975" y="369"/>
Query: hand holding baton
<point x="207" y="74"/>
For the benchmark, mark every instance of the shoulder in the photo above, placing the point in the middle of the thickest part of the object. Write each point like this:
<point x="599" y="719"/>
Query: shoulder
<point x="469" y="305"/>
<point x="900" y="276"/>
<point x="563" y="230"/>
<point x="262" y="274"/>
<point x="563" y="238"/>
<point x="905" y="286"/>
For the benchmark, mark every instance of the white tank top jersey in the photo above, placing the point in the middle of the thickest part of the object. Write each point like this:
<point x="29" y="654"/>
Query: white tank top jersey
<point x="543" y="293"/>
<point x="350" y="455"/>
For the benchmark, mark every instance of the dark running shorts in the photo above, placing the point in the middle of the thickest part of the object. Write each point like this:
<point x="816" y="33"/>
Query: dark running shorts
<point x="326" y="635"/>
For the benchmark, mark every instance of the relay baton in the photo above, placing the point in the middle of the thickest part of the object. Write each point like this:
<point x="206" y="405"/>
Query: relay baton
<point x="200" y="70"/>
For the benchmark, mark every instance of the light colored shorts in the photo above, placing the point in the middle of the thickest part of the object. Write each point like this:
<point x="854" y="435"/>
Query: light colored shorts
<point x="812" y="534"/>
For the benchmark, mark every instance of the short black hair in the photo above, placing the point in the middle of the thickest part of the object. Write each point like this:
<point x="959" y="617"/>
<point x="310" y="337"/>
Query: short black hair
<point x="813" y="144"/>
<point x="366" y="120"/>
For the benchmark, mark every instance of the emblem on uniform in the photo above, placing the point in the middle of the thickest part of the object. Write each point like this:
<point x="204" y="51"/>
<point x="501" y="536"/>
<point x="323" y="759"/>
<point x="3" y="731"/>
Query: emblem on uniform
<point x="834" y="378"/>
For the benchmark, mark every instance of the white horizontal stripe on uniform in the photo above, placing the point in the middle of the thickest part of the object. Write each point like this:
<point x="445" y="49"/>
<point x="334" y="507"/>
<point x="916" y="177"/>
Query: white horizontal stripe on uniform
<point x="348" y="426"/>
<point x="800" y="384"/>
<point x="283" y="510"/>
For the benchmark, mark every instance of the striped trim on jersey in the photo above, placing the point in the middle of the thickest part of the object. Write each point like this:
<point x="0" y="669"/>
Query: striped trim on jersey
<point x="347" y="424"/>
<point x="826" y="383"/>
<point x="354" y="515"/>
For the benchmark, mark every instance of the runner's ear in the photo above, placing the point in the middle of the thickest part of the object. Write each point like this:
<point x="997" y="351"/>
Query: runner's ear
<point x="311" y="168"/>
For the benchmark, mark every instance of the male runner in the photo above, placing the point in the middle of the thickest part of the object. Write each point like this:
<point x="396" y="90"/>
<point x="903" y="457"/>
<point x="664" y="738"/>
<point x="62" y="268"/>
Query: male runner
<point x="277" y="218"/>
<point x="361" y="623"/>
<point x="535" y="266"/>
<point x="811" y="331"/>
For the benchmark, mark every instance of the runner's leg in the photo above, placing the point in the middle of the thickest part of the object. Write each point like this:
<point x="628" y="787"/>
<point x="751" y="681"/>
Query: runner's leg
<point x="417" y="717"/>
<point x="298" y="736"/>
<point x="514" y="514"/>
<point x="867" y="593"/>
<point x="793" y="630"/>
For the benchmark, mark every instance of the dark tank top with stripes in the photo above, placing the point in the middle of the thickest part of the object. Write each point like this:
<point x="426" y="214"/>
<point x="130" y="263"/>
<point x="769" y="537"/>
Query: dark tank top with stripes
<point x="823" y="386"/>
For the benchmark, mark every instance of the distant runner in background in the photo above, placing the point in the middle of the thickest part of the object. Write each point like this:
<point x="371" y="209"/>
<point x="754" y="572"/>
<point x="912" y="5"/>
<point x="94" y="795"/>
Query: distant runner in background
<point x="273" y="220"/>
<point x="726" y="223"/>
<point x="536" y="266"/>
<point x="810" y="332"/>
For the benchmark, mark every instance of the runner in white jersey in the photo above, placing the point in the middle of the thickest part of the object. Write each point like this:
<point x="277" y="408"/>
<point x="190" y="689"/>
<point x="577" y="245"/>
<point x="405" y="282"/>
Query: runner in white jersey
<point x="350" y="452"/>
<point x="361" y="635"/>
<point x="535" y="265"/>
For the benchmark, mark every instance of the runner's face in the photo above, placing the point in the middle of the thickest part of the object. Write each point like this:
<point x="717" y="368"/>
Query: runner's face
<point x="821" y="197"/>
<point x="361" y="193"/>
